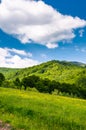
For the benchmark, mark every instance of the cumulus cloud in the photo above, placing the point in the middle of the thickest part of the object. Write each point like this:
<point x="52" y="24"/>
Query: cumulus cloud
<point x="30" y="20"/>
<point x="8" y="59"/>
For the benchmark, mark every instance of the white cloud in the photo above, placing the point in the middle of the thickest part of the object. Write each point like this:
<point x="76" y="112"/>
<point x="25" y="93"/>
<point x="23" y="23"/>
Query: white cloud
<point x="19" y="52"/>
<point x="36" y="21"/>
<point x="52" y="45"/>
<point x="15" y="61"/>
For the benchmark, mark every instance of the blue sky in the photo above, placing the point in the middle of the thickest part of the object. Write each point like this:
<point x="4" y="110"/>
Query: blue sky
<point x="32" y="32"/>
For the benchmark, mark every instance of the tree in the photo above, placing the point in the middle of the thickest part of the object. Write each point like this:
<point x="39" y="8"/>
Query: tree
<point x="25" y="82"/>
<point x="30" y="81"/>
<point x="81" y="82"/>
<point x="40" y="87"/>
<point x="2" y="78"/>
<point x="53" y="85"/>
<point x="17" y="83"/>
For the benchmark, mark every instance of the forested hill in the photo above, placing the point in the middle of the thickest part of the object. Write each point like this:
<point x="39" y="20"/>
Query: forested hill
<point x="8" y="71"/>
<point x="61" y="71"/>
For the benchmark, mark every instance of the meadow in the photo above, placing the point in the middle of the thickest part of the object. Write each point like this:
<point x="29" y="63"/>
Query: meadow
<point x="31" y="110"/>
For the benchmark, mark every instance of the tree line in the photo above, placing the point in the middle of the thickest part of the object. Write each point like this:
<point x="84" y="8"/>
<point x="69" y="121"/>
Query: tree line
<point x="46" y="85"/>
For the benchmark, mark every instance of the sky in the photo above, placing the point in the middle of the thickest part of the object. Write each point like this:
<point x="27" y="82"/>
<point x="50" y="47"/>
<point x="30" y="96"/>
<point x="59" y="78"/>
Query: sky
<point x="36" y="31"/>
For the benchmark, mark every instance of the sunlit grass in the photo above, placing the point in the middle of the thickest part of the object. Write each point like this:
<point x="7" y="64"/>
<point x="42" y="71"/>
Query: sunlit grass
<point x="32" y="111"/>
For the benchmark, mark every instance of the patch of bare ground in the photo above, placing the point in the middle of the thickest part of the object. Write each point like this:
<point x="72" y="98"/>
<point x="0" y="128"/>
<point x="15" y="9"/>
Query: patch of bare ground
<point x="4" y="126"/>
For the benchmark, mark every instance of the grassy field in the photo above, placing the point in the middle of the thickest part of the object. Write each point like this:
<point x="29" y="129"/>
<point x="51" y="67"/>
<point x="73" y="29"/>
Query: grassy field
<point x="35" y="111"/>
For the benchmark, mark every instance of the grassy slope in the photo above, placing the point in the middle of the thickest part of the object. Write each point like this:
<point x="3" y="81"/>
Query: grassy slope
<point x="33" y="111"/>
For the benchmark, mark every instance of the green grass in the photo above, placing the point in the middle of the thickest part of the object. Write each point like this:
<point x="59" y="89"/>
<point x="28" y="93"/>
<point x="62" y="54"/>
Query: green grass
<point x="35" y="111"/>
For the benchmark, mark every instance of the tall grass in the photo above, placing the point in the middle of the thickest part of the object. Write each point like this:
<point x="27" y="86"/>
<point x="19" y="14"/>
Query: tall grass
<point x="36" y="111"/>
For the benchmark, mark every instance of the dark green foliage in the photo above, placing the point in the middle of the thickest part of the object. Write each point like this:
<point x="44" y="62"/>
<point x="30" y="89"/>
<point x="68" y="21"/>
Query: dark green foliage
<point x="81" y="82"/>
<point x="48" y="86"/>
<point x="30" y="81"/>
<point x="17" y="83"/>
<point x="8" y="84"/>
<point x="54" y="85"/>
<point x="2" y="78"/>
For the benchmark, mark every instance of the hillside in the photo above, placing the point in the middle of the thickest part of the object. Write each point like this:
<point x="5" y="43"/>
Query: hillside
<point x="8" y="71"/>
<point x="61" y="71"/>
<point x="30" y="110"/>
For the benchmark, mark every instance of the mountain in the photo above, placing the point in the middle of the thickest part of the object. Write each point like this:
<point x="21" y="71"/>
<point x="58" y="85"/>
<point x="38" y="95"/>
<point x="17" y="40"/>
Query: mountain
<point x="61" y="71"/>
<point x="79" y="63"/>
